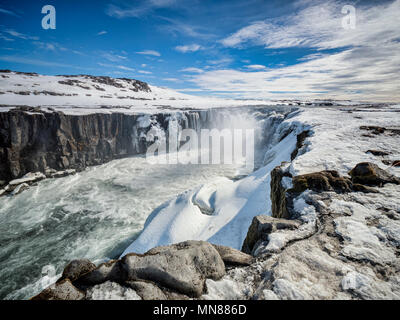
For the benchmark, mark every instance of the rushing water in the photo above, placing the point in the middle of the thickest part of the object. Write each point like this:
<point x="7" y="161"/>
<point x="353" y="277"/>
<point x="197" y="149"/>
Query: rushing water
<point x="85" y="216"/>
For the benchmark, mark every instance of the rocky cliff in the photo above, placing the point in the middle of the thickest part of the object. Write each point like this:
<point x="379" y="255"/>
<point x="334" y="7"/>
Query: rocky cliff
<point x="32" y="140"/>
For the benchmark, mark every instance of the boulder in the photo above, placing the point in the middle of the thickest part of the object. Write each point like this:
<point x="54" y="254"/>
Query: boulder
<point x="262" y="226"/>
<point x="77" y="268"/>
<point x="370" y="174"/>
<point x="147" y="290"/>
<point x="233" y="257"/>
<point x="108" y="271"/>
<point x="322" y="181"/>
<point x="182" y="267"/>
<point x="63" y="290"/>
<point x="328" y="180"/>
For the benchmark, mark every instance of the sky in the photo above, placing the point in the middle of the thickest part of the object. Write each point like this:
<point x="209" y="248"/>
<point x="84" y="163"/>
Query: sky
<point x="249" y="49"/>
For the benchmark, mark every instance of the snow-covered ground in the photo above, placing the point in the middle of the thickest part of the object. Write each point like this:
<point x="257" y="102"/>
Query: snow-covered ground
<point x="83" y="94"/>
<point x="337" y="143"/>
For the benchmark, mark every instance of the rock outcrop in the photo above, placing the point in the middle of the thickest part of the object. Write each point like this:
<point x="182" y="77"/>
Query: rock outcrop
<point x="370" y="174"/>
<point x="38" y="141"/>
<point x="339" y="244"/>
<point x="174" y="272"/>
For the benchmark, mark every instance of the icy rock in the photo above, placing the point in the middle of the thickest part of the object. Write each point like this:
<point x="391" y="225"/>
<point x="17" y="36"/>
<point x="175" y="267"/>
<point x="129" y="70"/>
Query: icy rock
<point x="20" y="188"/>
<point x="60" y="174"/>
<point x="49" y="172"/>
<point x="2" y="191"/>
<point x="147" y="290"/>
<point x="182" y="267"/>
<point x="77" y="268"/>
<point x="111" y="291"/>
<point x="233" y="257"/>
<point x="29" y="178"/>
<point x="63" y="290"/>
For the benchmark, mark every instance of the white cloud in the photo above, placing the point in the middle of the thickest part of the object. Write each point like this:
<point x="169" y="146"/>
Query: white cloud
<point x="192" y="70"/>
<point x="102" y="32"/>
<point x="188" y="48"/>
<point x="9" y="12"/>
<point x="222" y="61"/>
<point x="365" y="64"/>
<point x="36" y="62"/>
<point x="113" y="57"/>
<point x="144" y="72"/>
<point x="125" y="68"/>
<point x="138" y="9"/>
<point x="19" y="35"/>
<point x="256" y="67"/>
<point x="150" y="53"/>
<point x="320" y="26"/>
<point x="171" y="79"/>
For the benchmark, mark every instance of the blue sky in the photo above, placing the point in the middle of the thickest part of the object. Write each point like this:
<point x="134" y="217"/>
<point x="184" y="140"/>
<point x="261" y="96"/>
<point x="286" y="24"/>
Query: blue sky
<point x="254" y="48"/>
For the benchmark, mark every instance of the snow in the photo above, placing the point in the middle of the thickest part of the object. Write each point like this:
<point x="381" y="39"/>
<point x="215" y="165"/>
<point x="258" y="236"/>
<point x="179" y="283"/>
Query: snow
<point x="228" y="208"/>
<point x="88" y="96"/>
<point x="28" y="178"/>
<point x="111" y="291"/>
<point x="221" y="212"/>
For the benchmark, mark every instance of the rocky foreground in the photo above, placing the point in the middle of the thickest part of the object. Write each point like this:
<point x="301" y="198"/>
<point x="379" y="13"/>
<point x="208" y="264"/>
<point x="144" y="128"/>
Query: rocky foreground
<point x="326" y="239"/>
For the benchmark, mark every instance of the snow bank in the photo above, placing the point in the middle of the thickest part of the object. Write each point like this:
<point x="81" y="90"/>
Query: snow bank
<point x="221" y="211"/>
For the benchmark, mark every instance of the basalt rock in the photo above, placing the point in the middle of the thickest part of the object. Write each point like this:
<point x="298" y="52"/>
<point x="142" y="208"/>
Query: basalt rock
<point x="182" y="267"/>
<point x="370" y="174"/>
<point x="33" y="140"/>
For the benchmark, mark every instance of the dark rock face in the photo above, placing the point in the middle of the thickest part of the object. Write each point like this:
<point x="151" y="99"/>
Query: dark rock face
<point x="300" y="143"/>
<point x="36" y="142"/>
<point x="261" y="227"/>
<point x="279" y="200"/>
<point x="370" y="174"/>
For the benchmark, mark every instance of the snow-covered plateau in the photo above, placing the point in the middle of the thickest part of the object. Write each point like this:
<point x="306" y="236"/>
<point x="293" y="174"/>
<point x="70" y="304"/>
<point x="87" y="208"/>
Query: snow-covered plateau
<point x="318" y="218"/>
